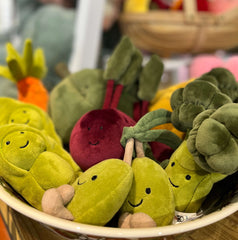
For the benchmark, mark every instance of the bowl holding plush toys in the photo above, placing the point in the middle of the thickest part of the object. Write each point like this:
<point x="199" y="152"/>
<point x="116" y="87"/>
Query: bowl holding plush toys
<point x="86" y="165"/>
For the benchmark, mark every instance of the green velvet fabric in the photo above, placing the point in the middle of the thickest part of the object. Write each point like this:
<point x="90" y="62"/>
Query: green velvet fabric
<point x="14" y="111"/>
<point x="190" y="183"/>
<point x="85" y="90"/>
<point x="74" y="96"/>
<point x="193" y="99"/>
<point x="100" y="192"/>
<point x="150" y="77"/>
<point x="213" y="139"/>
<point x="31" y="162"/>
<point x="151" y="192"/>
<point x="225" y="81"/>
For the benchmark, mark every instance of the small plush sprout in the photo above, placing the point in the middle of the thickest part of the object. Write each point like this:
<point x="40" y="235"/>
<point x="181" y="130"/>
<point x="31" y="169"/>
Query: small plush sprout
<point x="189" y="182"/>
<point x="99" y="192"/>
<point x="191" y="100"/>
<point x="27" y="71"/>
<point x="213" y="139"/>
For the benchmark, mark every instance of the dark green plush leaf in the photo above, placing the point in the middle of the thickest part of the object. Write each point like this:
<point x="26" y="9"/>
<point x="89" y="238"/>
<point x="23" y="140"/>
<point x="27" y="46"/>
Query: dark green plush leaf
<point x="119" y="60"/>
<point x="15" y="69"/>
<point x="133" y="70"/>
<point x="150" y="78"/>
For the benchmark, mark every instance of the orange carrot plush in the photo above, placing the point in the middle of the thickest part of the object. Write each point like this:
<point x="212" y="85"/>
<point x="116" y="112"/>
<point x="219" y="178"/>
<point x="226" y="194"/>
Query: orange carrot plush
<point x="27" y="71"/>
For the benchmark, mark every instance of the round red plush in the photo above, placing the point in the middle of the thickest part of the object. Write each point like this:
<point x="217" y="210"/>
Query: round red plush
<point x="96" y="137"/>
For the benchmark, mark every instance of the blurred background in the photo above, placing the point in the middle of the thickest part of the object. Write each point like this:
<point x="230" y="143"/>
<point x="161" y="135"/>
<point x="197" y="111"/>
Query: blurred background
<point x="191" y="36"/>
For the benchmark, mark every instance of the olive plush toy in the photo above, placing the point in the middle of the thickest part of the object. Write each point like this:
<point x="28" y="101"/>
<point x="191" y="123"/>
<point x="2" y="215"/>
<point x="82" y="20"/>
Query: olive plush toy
<point x="95" y="196"/>
<point x="32" y="162"/>
<point x="150" y="202"/>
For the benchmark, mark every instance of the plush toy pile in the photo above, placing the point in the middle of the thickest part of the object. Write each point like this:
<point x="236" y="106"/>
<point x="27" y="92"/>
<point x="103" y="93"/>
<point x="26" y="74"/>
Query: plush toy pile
<point x="89" y="159"/>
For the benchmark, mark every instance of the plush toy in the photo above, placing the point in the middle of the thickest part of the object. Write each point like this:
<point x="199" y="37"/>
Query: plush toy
<point x="96" y="195"/>
<point x="190" y="183"/>
<point x="98" y="129"/>
<point x="27" y="71"/>
<point x="85" y="90"/>
<point x="150" y="201"/>
<point x="197" y="96"/>
<point x="14" y="111"/>
<point x="213" y="139"/>
<point x="31" y="162"/>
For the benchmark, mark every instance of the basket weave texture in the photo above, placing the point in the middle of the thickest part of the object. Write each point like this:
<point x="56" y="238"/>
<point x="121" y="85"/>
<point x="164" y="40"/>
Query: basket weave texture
<point x="178" y="32"/>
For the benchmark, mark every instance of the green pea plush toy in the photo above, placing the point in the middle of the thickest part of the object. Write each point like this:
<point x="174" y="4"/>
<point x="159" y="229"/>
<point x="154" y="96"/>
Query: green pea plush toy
<point x="190" y="183"/>
<point x="32" y="162"/>
<point x="15" y="111"/>
<point x="95" y="196"/>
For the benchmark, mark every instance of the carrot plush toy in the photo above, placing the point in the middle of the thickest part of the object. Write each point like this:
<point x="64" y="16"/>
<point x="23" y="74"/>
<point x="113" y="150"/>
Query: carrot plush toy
<point x="27" y="71"/>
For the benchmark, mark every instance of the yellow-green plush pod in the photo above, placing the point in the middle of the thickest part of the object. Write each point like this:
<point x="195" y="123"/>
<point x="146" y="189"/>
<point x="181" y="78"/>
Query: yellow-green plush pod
<point x="14" y="111"/>
<point x="190" y="183"/>
<point x="151" y="192"/>
<point x="100" y="192"/>
<point x="31" y="162"/>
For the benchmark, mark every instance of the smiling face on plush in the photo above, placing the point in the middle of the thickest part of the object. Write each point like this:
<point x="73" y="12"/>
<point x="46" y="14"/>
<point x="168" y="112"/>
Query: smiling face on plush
<point x="27" y="115"/>
<point x="100" y="191"/>
<point x="96" y="137"/>
<point x="151" y="192"/>
<point x="189" y="182"/>
<point x="21" y="148"/>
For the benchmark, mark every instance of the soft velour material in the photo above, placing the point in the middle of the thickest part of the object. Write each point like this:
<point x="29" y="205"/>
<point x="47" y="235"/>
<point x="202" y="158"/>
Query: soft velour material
<point x="96" y="136"/>
<point x="213" y="139"/>
<point x="190" y="183"/>
<point x="195" y="97"/>
<point x="15" y="111"/>
<point x="151" y="194"/>
<point x="32" y="162"/>
<point x="99" y="193"/>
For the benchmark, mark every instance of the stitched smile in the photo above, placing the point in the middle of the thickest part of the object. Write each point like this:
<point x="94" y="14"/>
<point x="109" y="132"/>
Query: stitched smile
<point x="94" y="144"/>
<point x="81" y="183"/>
<point x="27" y="121"/>
<point x="176" y="186"/>
<point x="25" y="144"/>
<point x="136" y="205"/>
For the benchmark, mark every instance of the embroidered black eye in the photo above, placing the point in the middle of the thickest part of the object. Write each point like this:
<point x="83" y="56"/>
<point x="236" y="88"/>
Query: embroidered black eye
<point x="24" y="111"/>
<point x="94" y="177"/>
<point x="101" y="127"/>
<point x="172" y="164"/>
<point x="8" y="142"/>
<point x="12" y="120"/>
<point x="148" y="190"/>
<point x="22" y="132"/>
<point x="188" y="177"/>
<point x="88" y="128"/>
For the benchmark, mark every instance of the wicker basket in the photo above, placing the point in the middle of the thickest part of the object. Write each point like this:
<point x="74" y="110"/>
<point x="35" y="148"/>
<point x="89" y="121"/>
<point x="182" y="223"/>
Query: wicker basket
<point x="178" y="32"/>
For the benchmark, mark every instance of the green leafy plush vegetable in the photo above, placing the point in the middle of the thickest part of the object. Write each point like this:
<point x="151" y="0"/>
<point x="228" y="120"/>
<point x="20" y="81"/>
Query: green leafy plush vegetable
<point x="193" y="99"/>
<point x="213" y="139"/>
